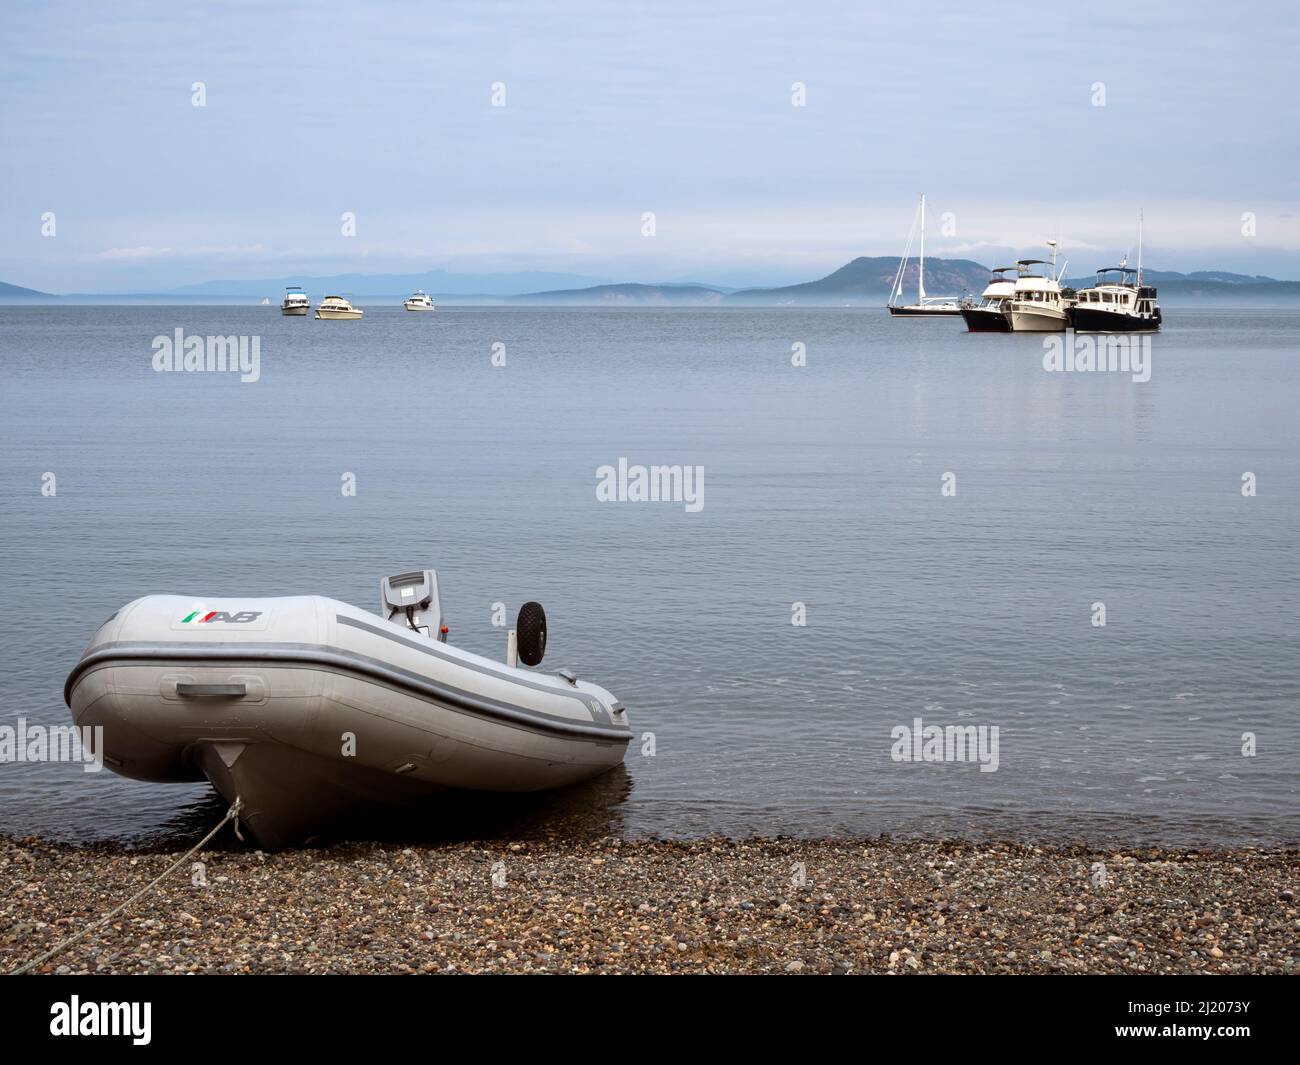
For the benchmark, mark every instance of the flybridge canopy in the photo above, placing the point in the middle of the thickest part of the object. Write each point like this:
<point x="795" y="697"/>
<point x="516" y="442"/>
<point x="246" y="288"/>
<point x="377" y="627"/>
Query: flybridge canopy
<point x="1125" y="279"/>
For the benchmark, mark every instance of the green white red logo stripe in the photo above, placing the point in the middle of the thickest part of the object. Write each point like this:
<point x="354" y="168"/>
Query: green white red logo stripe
<point x="240" y="617"/>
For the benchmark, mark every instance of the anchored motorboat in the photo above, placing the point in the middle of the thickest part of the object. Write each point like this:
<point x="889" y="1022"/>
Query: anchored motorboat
<point x="307" y="708"/>
<point x="989" y="314"/>
<point x="337" y="307"/>
<point x="1037" y="304"/>
<point x="295" y="302"/>
<point x="419" y="301"/>
<point x="1119" y="302"/>
<point x="924" y="305"/>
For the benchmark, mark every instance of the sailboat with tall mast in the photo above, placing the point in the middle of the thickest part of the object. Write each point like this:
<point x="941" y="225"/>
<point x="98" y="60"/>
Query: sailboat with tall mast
<point x="924" y="305"/>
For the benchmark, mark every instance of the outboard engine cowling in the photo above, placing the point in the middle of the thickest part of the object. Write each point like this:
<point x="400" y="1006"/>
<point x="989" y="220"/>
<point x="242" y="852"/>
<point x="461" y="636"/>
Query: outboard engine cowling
<point x="414" y="597"/>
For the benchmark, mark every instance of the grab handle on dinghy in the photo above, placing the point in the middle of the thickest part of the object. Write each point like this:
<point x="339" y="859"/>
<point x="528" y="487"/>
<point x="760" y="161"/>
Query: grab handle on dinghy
<point x="188" y="690"/>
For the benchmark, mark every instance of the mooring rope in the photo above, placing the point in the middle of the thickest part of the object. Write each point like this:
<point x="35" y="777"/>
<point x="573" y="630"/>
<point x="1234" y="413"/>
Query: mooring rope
<point x="231" y="815"/>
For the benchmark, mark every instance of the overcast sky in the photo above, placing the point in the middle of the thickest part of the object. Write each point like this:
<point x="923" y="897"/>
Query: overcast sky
<point x="682" y="109"/>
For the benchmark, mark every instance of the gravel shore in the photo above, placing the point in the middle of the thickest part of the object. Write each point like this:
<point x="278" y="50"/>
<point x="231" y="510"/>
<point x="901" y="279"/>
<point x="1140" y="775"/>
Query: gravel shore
<point x="617" y="906"/>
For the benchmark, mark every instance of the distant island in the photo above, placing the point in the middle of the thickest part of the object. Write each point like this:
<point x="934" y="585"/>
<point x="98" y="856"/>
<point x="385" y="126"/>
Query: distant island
<point x="17" y="292"/>
<point x="864" y="282"/>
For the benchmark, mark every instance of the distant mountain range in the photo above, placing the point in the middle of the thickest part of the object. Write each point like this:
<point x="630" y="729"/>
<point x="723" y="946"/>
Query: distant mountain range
<point x="865" y="281"/>
<point x="868" y="280"/>
<point x="438" y="282"/>
<point x="17" y="292"/>
<point x="629" y="295"/>
<point x="1218" y="277"/>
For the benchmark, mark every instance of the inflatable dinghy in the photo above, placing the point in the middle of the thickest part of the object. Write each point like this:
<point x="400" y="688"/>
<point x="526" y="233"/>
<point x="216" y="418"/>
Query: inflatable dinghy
<point x="306" y="708"/>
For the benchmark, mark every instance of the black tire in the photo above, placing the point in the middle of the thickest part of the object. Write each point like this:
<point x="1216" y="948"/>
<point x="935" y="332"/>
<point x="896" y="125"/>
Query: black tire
<point x="530" y="633"/>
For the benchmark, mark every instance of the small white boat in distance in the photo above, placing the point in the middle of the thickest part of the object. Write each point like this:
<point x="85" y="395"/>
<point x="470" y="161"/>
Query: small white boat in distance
<point x="295" y="302"/>
<point x="337" y="307"/>
<point x="420" y="301"/>
<point x="924" y="305"/>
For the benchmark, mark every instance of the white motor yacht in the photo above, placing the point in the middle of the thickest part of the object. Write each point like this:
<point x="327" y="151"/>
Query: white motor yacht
<point x="989" y="314"/>
<point x="1119" y="302"/>
<point x="1037" y="304"/>
<point x="421" y="301"/>
<point x="295" y="302"/>
<point x="1116" y="304"/>
<point x="337" y="307"/>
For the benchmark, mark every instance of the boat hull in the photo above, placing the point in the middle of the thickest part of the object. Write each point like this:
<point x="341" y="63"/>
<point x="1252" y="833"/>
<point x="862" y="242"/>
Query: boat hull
<point x="294" y="312"/>
<point x="924" y="312"/>
<point x="985" y="320"/>
<point x="320" y="709"/>
<point x="1093" y="320"/>
<point x="1037" y="321"/>
<point x="339" y="315"/>
<point x="409" y="308"/>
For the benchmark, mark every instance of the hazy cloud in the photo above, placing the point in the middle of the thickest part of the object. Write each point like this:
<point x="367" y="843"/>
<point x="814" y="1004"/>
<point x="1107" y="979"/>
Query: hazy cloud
<point x="314" y="109"/>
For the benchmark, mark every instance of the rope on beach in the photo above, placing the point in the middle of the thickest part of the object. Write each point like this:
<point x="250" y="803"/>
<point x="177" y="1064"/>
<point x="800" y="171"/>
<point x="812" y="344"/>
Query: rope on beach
<point x="231" y="815"/>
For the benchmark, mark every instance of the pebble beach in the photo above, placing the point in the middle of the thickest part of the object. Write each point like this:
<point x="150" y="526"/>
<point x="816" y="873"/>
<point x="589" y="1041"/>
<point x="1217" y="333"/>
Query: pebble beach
<point x="779" y="906"/>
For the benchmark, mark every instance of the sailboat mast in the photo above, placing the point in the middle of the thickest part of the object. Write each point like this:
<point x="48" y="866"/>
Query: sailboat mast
<point x="920" y="277"/>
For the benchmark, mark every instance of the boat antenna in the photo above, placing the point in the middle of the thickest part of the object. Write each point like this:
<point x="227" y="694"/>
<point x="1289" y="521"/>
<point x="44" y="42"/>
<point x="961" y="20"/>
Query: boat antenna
<point x="1140" y="219"/>
<point x="1052" y="244"/>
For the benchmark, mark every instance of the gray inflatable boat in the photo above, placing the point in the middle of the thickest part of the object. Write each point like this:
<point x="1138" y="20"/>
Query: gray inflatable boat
<point x="307" y="708"/>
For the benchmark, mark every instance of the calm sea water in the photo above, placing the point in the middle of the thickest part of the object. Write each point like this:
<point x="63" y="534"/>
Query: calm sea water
<point x="822" y="487"/>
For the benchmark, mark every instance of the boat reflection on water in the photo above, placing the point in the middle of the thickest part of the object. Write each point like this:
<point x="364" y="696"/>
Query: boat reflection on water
<point x="589" y="810"/>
